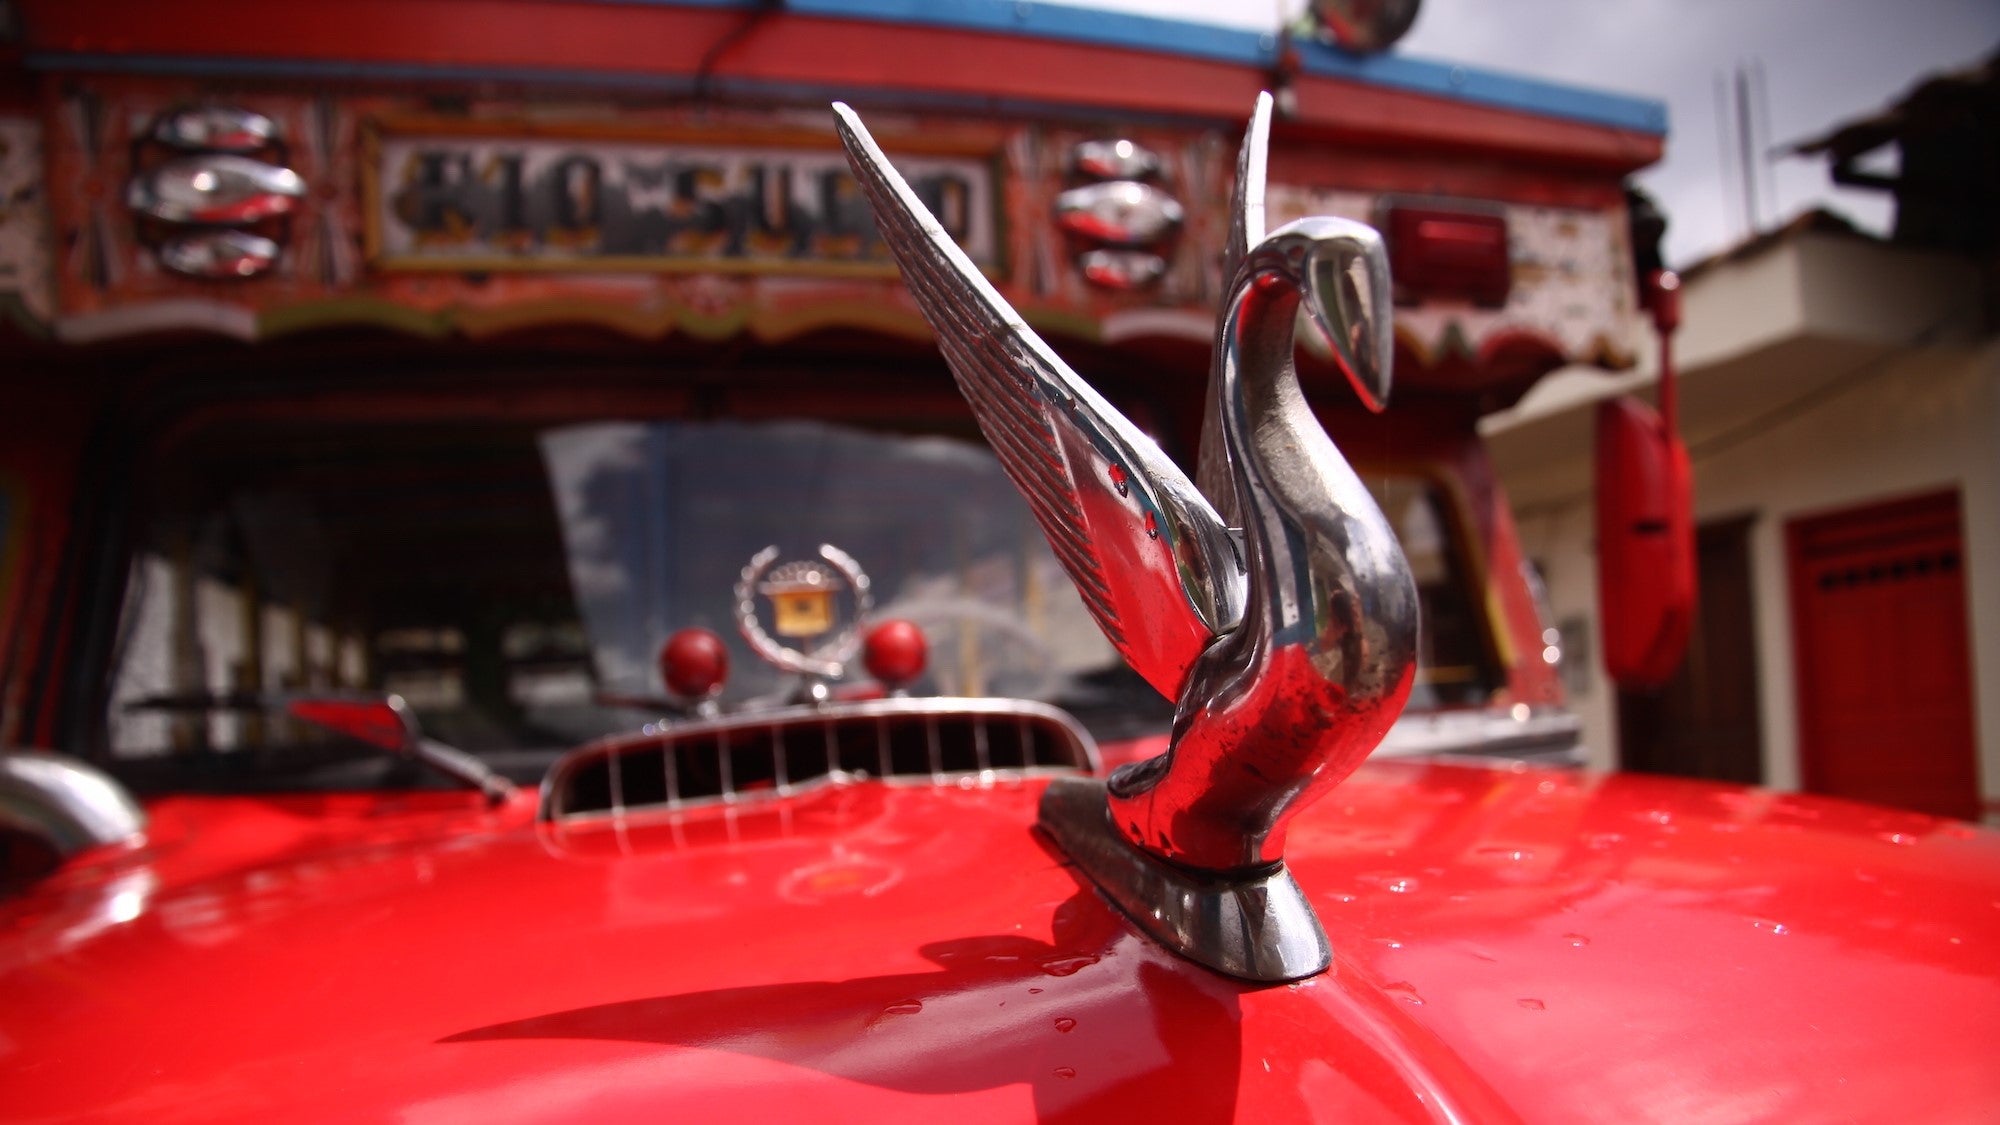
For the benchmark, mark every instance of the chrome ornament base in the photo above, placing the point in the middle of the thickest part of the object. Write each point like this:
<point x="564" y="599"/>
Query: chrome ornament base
<point x="1255" y="928"/>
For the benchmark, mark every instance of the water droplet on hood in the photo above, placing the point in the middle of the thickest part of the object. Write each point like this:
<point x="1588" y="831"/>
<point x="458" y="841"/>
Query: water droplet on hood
<point x="1405" y="991"/>
<point x="1065" y="966"/>
<point x="899" y="1008"/>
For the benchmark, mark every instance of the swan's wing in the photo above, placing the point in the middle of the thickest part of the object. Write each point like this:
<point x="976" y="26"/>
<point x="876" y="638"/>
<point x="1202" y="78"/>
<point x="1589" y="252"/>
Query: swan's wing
<point x="1246" y="203"/>
<point x="1246" y="229"/>
<point x="1151" y="558"/>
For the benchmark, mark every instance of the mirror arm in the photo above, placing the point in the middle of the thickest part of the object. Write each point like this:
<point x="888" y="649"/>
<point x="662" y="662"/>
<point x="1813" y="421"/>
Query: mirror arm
<point x="461" y="766"/>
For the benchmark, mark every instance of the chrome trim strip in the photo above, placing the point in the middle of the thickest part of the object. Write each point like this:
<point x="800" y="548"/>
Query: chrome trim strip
<point x="735" y="728"/>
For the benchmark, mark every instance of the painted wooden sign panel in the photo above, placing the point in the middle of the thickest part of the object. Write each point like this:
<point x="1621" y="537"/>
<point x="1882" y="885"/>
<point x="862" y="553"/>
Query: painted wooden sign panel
<point x="518" y="196"/>
<point x="738" y="222"/>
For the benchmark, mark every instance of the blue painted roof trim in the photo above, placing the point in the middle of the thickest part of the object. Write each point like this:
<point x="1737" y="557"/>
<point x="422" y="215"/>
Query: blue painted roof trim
<point x="1231" y="45"/>
<point x="1488" y="87"/>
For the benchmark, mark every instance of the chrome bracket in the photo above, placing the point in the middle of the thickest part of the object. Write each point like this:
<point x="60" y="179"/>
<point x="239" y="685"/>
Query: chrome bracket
<point x="1255" y="926"/>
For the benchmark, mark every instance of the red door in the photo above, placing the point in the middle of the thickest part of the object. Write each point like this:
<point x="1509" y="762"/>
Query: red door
<point x="1884" y="659"/>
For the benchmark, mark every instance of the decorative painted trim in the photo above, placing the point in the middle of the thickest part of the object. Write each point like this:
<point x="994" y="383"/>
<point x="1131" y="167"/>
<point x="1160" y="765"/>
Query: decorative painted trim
<point x="770" y="324"/>
<point x="159" y="316"/>
<point x="988" y="17"/>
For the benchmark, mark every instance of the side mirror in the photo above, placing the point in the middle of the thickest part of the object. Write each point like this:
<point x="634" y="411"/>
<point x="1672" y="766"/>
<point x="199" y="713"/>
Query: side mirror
<point x="1645" y="544"/>
<point x="381" y="721"/>
<point x="387" y="723"/>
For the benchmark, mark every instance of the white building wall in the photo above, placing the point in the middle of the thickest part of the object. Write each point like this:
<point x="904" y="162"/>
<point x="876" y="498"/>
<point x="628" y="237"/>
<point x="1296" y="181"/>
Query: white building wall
<point x="1921" y="421"/>
<point x="1925" y="424"/>
<point x="1825" y="374"/>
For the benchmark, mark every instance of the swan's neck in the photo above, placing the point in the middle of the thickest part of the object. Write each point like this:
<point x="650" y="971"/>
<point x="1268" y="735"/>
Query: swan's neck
<point x="1298" y="694"/>
<point x="1280" y="453"/>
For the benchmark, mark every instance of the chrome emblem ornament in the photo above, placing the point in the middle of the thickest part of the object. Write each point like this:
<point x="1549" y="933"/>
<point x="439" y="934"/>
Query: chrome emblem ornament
<point x="218" y="204"/>
<point x="216" y="128"/>
<point x="219" y="254"/>
<point x="1121" y="269"/>
<point x="1115" y="160"/>
<point x="1119" y="213"/>
<point x="1268" y="597"/>
<point x="220" y="189"/>
<point x="804" y="599"/>
<point x="1123" y="222"/>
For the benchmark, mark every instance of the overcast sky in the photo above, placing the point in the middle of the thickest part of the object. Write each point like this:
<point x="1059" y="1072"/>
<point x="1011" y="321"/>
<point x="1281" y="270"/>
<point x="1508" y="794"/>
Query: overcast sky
<point x="1823" y="61"/>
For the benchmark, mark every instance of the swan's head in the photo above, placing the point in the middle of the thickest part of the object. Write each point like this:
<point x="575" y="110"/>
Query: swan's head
<point x="1342" y="271"/>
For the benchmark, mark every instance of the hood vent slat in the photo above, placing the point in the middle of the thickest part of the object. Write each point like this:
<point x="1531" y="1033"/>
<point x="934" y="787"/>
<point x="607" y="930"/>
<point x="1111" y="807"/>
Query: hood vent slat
<point x="778" y="752"/>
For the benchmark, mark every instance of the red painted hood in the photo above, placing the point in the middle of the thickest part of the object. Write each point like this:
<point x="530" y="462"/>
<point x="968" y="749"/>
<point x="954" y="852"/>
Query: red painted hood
<point x="1510" y="945"/>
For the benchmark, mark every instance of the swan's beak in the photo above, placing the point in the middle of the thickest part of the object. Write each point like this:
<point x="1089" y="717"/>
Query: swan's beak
<point x="1347" y="295"/>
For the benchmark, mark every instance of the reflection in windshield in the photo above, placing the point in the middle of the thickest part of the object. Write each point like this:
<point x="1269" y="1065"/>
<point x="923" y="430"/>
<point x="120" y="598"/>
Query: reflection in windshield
<point x="660" y="518"/>
<point x="508" y="580"/>
<point x="1454" y="665"/>
<point x="514" y="581"/>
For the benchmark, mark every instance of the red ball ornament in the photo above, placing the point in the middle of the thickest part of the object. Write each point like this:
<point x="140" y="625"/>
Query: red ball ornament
<point x="694" y="663"/>
<point x="894" y="652"/>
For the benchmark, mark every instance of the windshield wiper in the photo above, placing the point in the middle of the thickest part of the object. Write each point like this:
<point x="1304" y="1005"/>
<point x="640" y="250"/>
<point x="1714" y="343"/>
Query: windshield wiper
<point x="379" y="719"/>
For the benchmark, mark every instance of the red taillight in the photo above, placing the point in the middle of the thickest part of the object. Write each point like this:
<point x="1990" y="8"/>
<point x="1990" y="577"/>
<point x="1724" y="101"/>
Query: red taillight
<point x="1435" y="252"/>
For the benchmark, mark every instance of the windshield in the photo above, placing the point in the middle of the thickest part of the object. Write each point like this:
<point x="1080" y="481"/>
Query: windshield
<point x="659" y="519"/>
<point x="513" y="582"/>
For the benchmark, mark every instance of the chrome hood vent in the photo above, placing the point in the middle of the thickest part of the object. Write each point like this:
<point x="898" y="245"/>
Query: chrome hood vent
<point x="777" y="753"/>
<point x="66" y="804"/>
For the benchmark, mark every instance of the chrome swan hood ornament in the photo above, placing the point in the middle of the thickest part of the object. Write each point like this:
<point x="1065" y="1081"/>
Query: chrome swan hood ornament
<point x="1288" y="653"/>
